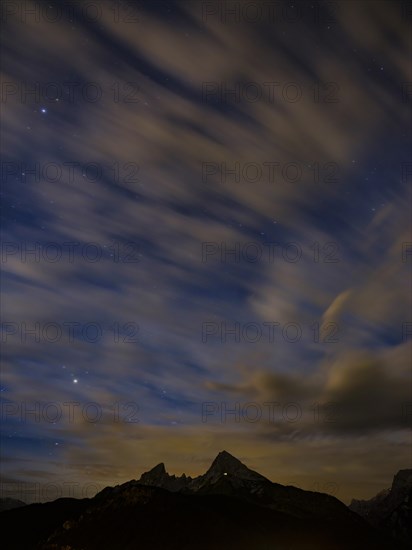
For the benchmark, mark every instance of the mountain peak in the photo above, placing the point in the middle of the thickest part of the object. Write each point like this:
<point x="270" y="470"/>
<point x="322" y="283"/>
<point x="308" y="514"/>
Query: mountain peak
<point x="226" y="460"/>
<point x="155" y="476"/>
<point x="226" y="464"/>
<point x="159" y="469"/>
<point x="158" y="477"/>
<point x="225" y="454"/>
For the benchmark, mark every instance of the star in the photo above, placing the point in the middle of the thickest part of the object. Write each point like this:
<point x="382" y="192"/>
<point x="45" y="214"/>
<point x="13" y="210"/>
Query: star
<point x="75" y="381"/>
<point x="43" y="110"/>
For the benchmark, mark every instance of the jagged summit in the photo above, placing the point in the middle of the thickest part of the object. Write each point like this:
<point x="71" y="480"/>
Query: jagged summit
<point x="158" y="477"/>
<point x="225" y="467"/>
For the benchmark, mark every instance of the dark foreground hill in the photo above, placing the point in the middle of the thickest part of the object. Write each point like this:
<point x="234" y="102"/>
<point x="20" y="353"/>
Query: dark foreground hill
<point x="10" y="503"/>
<point x="229" y="506"/>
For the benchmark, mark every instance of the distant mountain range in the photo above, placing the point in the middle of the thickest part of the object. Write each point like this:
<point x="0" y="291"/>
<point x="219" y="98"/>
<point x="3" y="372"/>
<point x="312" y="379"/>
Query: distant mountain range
<point x="230" y="506"/>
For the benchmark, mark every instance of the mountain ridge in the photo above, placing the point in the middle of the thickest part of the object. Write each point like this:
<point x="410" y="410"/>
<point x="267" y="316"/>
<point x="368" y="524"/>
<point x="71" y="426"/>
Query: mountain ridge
<point x="224" y="464"/>
<point x="229" y="505"/>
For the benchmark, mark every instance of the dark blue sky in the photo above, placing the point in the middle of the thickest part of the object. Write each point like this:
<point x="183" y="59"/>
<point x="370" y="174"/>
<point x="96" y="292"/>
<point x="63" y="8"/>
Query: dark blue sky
<point x="147" y="272"/>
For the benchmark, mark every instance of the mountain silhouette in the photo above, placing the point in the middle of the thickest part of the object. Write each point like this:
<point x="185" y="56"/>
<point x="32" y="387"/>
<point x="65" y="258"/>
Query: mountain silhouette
<point x="229" y="506"/>
<point x="391" y="509"/>
<point x="223" y="465"/>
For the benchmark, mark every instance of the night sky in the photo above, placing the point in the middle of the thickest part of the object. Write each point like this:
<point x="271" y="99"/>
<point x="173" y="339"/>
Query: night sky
<point x="206" y="242"/>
